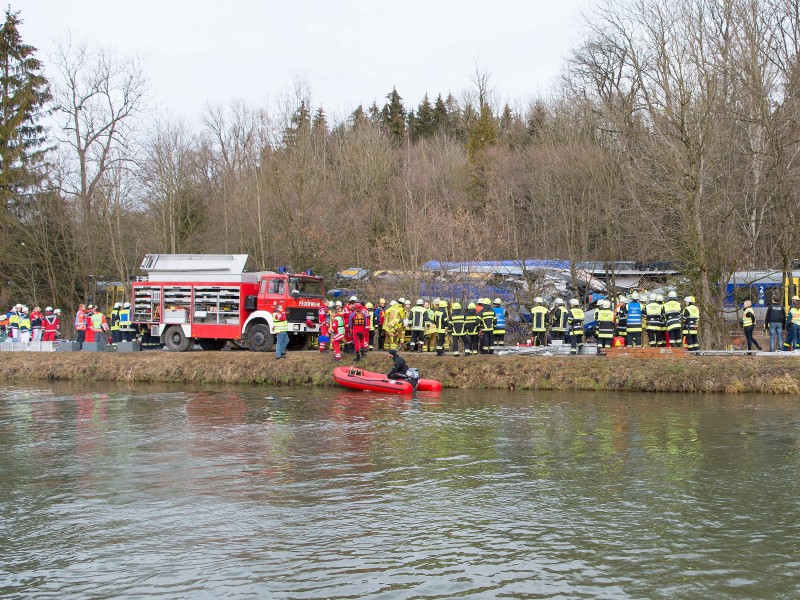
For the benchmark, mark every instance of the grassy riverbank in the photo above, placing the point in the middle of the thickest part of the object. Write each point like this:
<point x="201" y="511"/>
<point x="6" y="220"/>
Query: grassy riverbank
<point x="734" y="374"/>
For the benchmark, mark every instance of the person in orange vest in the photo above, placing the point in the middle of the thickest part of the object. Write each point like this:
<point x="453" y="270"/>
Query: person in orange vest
<point x="80" y="325"/>
<point x="323" y="316"/>
<point x="50" y="323"/>
<point x="357" y="324"/>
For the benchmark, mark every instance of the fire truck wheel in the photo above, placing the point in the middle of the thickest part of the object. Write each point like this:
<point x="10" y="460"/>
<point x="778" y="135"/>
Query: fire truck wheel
<point x="211" y="344"/>
<point x="176" y="340"/>
<point x="260" y="339"/>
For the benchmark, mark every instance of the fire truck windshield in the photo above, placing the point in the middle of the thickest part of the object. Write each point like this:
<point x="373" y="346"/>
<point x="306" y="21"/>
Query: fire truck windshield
<point x="306" y="287"/>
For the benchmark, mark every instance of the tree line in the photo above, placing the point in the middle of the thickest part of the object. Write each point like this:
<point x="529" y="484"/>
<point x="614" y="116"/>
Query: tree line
<point x="672" y="135"/>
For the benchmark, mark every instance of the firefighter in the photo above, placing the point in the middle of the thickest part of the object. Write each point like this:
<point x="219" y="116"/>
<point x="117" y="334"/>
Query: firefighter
<point x="441" y="323"/>
<point x="539" y="314"/>
<point x="370" y="308"/>
<point x="323" y="317"/>
<point x="457" y="328"/>
<point x="418" y="318"/>
<point x="116" y="336"/>
<point x="50" y="324"/>
<point x="80" y="325"/>
<point x="125" y="323"/>
<point x="691" y="321"/>
<point x="393" y="324"/>
<point x="559" y="317"/>
<point x="347" y="310"/>
<point x="358" y="326"/>
<point x="430" y="329"/>
<point x="499" y="322"/>
<point x="337" y="330"/>
<point x="749" y="325"/>
<point x="605" y="325"/>
<point x="576" y="317"/>
<point x="634" y="321"/>
<point x="621" y="317"/>
<point x="793" y="326"/>
<point x="378" y="320"/>
<point x="654" y="311"/>
<point x="672" y="320"/>
<point x="487" y="322"/>
<point x="470" y="330"/>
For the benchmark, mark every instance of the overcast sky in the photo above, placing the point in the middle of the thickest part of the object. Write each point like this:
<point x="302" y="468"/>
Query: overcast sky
<point x="350" y="52"/>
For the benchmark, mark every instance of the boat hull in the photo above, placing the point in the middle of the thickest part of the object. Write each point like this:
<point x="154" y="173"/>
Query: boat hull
<point x="359" y="379"/>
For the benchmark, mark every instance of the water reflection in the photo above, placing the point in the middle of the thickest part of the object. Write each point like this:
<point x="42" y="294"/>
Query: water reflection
<point x="325" y="493"/>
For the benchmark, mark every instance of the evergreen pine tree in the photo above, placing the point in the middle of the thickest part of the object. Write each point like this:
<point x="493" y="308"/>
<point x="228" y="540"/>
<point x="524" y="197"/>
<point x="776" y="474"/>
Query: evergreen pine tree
<point x="358" y="118"/>
<point x="299" y="124"/>
<point x="25" y="93"/>
<point x="394" y="116"/>
<point x="424" y="126"/>
<point x="319" y="127"/>
<point x="440" y="115"/>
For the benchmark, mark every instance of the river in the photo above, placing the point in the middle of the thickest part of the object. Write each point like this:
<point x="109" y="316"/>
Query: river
<point x="296" y="493"/>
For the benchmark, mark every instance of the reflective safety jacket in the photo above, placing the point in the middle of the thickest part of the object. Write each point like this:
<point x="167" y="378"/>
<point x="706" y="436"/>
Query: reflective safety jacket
<point x="654" y="312"/>
<point x="418" y="318"/>
<point x="576" y="321"/>
<point x="115" y="319"/>
<point x="672" y="314"/>
<point x="458" y="323"/>
<point x="471" y="322"/>
<point x="488" y="319"/>
<point x="605" y="323"/>
<point x="499" y="319"/>
<point x="748" y="317"/>
<point x="634" y="322"/>
<point x="440" y="320"/>
<point x="691" y="318"/>
<point x="80" y="321"/>
<point x="560" y="318"/>
<point x="279" y="322"/>
<point x="539" y="318"/>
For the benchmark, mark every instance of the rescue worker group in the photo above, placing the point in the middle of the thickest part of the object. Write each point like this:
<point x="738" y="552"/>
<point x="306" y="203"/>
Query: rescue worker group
<point x="24" y="326"/>
<point x="480" y="327"/>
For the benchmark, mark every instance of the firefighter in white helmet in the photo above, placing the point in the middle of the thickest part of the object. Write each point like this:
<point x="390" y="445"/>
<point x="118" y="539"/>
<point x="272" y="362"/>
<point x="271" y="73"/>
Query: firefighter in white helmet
<point x="576" y="318"/>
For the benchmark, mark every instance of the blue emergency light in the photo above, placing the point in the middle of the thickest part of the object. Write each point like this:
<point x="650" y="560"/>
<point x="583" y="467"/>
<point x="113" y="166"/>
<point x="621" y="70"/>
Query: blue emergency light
<point x="281" y="269"/>
<point x="308" y="272"/>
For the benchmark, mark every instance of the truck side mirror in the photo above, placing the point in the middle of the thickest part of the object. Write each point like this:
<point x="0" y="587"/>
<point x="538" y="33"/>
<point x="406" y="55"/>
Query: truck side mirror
<point x="295" y="293"/>
<point x="250" y="302"/>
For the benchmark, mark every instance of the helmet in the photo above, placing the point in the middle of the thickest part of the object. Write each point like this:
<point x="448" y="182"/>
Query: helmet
<point x="25" y="309"/>
<point x="487" y="301"/>
<point x="559" y="301"/>
<point x="408" y="302"/>
<point x="622" y="299"/>
<point x="456" y="306"/>
<point x="401" y="300"/>
<point x="635" y="295"/>
<point x="49" y="309"/>
<point x="353" y="299"/>
<point x="690" y="299"/>
<point x="480" y="301"/>
<point x="420" y="302"/>
<point x="540" y="300"/>
<point x="436" y="301"/>
<point x="330" y="304"/>
<point x="88" y="306"/>
<point x="382" y="301"/>
<point x="605" y="303"/>
<point x="643" y="298"/>
<point x="370" y="305"/>
<point x="126" y="305"/>
<point x="659" y="298"/>
<point x="471" y="305"/>
<point x="795" y="298"/>
<point x="442" y="304"/>
<point x="393" y="302"/>
<point x="57" y="311"/>
<point x="672" y="294"/>
<point x="573" y="302"/>
<point x="338" y="304"/>
<point x="498" y="301"/>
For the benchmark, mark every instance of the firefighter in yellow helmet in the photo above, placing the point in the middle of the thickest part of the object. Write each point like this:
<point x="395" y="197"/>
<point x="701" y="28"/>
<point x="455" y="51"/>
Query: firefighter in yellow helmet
<point x="691" y="324"/>
<point x="441" y="322"/>
<point x="470" y="330"/>
<point x="576" y="318"/>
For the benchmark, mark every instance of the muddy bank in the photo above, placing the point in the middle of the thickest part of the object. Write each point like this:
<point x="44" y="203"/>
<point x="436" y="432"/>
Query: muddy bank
<point x="776" y="375"/>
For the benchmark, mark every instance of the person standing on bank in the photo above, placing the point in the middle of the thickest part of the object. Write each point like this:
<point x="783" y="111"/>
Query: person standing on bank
<point x="773" y="324"/>
<point x="280" y="327"/>
<point x="749" y="324"/>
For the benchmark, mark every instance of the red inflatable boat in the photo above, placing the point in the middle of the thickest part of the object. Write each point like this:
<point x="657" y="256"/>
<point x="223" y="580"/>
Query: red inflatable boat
<point x="359" y="379"/>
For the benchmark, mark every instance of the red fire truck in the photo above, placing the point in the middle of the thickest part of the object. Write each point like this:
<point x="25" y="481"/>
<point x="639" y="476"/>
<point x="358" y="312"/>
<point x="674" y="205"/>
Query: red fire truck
<point x="210" y="299"/>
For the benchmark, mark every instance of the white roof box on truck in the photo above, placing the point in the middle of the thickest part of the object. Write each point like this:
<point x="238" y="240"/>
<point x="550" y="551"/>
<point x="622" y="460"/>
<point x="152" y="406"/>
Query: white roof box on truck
<point x="197" y="267"/>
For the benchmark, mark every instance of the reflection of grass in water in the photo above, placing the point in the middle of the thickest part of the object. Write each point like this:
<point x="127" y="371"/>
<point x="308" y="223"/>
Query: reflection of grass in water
<point x="774" y="375"/>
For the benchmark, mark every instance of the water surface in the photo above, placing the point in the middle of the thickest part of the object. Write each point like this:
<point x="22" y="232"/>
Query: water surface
<point x="293" y="493"/>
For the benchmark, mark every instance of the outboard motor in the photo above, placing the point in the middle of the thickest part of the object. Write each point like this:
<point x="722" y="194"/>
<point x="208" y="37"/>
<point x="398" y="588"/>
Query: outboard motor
<point x="412" y="376"/>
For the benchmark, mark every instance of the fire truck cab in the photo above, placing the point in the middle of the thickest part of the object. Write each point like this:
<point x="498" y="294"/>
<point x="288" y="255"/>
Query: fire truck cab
<point x="210" y="299"/>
